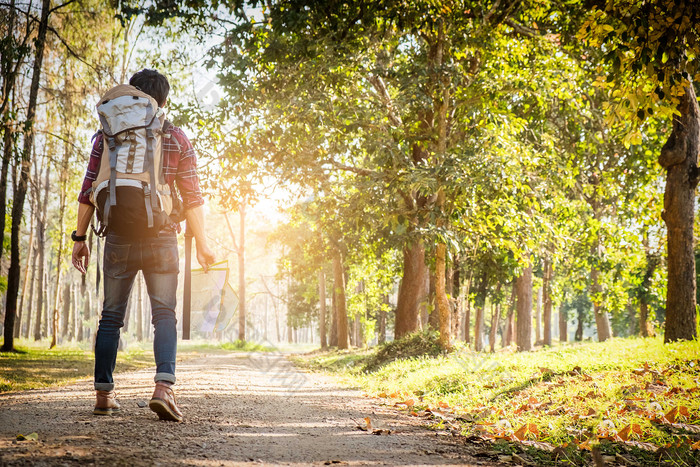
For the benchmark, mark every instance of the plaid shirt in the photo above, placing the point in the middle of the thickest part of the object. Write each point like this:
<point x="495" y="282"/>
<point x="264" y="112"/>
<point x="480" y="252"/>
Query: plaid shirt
<point x="179" y="165"/>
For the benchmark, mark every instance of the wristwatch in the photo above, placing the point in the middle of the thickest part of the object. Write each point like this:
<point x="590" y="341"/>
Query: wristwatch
<point x="77" y="238"/>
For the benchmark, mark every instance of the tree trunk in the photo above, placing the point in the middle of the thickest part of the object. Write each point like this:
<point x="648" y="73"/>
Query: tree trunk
<point x="322" y="308"/>
<point x="8" y="146"/>
<point x="13" y="275"/>
<point x="9" y="68"/>
<point x="41" y="305"/>
<point x="478" y="329"/>
<point x="67" y="323"/>
<point x="29" y="301"/>
<point x="644" y="296"/>
<point x="563" y="331"/>
<point x="381" y="334"/>
<point x="241" y="275"/>
<point x="464" y="306"/>
<point x="333" y="338"/>
<point x="467" y="319"/>
<point x="601" y="316"/>
<point x="578" y="336"/>
<point x="85" y="313"/>
<point x="433" y="315"/>
<point x="679" y="158"/>
<point x="411" y="290"/>
<point x="524" y="309"/>
<point x="547" y="298"/>
<point x="339" y="291"/>
<point x="510" y="320"/>
<point x="30" y="258"/>
<point x="480" y="304"/>
<point x="494" y="327"/>
<point x="59" y="259"/>
<point x="538" y="317"/>
<point x="453" y="278"/>
<point x="443" y="306"/>
<point x="442" y="110"/>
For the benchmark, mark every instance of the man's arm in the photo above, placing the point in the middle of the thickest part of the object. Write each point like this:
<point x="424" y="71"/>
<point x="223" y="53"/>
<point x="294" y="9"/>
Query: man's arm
<point x="81" y="251"/>
<point x="195" y="222"/>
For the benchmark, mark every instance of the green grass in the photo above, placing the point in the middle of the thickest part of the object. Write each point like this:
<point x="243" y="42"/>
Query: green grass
<point x="34" y="366"/>
<point x="482" y="394"/>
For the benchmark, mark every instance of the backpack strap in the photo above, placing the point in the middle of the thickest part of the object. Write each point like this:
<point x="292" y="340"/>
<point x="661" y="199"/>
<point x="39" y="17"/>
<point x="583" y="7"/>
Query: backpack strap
<point x="112" y="145"/>
<point x="151" y="195"/>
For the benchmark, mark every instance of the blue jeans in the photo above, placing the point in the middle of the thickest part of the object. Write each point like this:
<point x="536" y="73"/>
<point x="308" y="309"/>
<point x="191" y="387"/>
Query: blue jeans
<point x="157" y="258"/>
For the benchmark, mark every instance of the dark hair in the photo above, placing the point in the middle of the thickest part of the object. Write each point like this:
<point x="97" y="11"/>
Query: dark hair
<point x="152" y="83"/>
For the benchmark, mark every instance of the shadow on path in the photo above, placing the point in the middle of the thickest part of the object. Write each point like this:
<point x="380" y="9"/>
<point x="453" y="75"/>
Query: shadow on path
<point x="239" y="409"/>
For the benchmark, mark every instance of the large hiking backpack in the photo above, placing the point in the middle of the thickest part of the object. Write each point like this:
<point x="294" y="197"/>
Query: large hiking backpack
<point x="130" y="193"/>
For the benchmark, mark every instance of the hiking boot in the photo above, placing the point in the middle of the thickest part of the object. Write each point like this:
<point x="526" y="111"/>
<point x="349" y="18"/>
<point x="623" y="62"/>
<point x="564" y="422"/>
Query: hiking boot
<point x="106" y="403"/>
<point x="163" y="403"/>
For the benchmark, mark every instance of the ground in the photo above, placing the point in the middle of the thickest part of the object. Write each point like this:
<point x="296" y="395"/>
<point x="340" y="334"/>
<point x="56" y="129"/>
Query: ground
<point x="238" y="408"/>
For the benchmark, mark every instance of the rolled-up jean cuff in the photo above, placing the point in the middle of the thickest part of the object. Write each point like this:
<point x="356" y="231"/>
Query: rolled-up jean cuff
<point x="104" y="386"/>
<point x="167" y="377"/>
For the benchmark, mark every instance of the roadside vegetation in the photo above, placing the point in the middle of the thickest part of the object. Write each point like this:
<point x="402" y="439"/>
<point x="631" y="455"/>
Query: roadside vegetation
<point x="623" y="401"/>
<point x="33" y="365"/>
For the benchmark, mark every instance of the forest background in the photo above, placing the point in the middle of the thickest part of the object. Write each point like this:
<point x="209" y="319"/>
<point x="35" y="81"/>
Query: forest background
<point x="494" y="171"/>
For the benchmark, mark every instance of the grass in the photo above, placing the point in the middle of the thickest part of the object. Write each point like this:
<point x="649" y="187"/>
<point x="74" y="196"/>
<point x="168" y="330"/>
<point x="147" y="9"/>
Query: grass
<point x="34" y="366"/>
<point x="567" y="399"/>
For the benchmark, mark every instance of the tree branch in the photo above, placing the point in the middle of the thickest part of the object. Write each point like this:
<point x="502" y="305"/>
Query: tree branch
<point x="349" y="168"/>
<point x="379" y="86"/>
<point x="522" y="29"/>
<point x="58" y="7"/>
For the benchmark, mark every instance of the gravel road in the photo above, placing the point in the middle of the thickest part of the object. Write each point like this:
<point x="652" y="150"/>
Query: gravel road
<point x="240" y="409"/>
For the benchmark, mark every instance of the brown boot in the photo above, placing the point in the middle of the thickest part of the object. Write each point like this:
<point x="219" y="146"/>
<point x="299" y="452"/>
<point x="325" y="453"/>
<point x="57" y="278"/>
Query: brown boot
<point x="163" y="403"/>
<point x="106" y="403"/>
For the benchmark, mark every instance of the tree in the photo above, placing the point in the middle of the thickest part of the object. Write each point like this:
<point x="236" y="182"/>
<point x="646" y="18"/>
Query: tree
<point x="655" y="43"/>
<point x="13" y="275"/>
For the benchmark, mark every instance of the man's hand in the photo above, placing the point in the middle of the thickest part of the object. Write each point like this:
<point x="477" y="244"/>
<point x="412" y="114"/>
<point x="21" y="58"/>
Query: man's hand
<point x="205" y="256"/>
<point x="81" y="256"/>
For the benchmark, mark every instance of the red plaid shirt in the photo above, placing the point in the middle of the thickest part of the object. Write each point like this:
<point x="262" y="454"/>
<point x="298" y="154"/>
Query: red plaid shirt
<point x="179" y="165"/>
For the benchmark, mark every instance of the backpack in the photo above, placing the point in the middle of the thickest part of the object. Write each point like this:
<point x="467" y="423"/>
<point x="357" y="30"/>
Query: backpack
<point x="130" y="193"/>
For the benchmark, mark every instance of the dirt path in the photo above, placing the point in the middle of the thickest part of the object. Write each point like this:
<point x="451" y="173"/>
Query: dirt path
<point x="239" y="409"/>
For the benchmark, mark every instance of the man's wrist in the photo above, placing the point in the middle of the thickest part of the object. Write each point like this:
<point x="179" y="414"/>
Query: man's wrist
<point x="78" y="238"/>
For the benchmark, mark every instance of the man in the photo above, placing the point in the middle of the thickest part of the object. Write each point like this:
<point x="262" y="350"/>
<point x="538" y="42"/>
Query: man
<point x="155" y="255"/>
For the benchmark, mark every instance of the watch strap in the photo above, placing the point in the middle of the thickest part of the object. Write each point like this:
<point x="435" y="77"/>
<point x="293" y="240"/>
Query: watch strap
<point x="78" y="238"/>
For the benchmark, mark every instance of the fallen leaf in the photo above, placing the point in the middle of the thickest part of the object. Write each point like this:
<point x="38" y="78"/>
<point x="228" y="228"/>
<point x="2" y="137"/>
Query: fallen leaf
<point x="521" y="433"/>
<point x="382" y="394"/>
<point x="670" y="416"/>
<point x="645" y="446"/>
<point x="30" y="437"/>
<point x="623" y="434"/>
<point x="443" y="405"/>
<point x="414" y="414"/>
<point x="584" y="445"/>
<point x="686" y="427"/>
